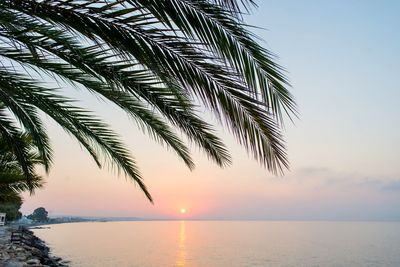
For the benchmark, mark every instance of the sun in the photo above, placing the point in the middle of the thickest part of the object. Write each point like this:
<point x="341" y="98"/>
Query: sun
<point x="183" y="211"/>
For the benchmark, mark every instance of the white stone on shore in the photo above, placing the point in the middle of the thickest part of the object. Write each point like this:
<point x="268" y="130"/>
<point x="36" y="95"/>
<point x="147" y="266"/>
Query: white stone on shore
<point x="33" y="262"/>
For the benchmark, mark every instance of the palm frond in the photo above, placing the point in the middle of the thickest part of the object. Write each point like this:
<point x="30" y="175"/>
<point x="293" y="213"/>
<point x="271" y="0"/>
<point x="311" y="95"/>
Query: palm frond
<point x="16" y="144"/>
<point x="153" y="59"/>
<point x="75" y="121"/>
<point x="138" y="82"/>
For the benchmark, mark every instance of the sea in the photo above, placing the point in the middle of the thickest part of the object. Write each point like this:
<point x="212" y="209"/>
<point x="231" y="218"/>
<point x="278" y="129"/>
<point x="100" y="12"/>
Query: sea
<point x="224" y="243"/>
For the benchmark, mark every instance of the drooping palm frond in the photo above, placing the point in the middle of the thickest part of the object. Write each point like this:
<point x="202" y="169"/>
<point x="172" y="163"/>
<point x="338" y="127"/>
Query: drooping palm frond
<point x="15" y="149"/>
<point x="13" y="181"/>
<point x="154" y="59"/>
<point x="14" y="178"/>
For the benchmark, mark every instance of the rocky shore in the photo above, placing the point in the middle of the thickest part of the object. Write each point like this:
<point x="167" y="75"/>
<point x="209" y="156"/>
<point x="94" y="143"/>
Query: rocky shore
<point x="30" y="251"/>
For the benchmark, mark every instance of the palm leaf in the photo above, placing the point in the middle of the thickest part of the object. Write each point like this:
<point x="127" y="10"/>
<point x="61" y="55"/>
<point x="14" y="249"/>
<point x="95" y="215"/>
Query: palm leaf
<point x="153" y="59"/>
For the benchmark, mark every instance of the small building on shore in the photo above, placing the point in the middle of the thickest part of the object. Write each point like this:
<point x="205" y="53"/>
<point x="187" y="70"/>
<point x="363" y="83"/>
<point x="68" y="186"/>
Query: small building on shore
<point x="2" y="219"/>
<point x="24" y="221"/>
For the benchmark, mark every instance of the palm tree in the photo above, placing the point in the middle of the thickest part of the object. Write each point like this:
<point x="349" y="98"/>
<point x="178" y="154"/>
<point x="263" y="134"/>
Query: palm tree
<point x="13" y="177"/>
<point x="154" y="59"/>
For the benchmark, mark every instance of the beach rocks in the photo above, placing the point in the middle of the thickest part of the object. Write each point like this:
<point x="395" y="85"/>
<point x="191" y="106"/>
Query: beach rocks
<point x="13" y="263"/>
<point x="26" y="251"/>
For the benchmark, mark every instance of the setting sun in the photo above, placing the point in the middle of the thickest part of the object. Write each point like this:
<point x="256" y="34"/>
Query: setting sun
<point x="183" y="211"/>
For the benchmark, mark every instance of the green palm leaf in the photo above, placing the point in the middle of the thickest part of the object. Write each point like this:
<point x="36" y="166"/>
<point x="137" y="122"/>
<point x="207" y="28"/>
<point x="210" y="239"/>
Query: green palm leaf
<point x="154" y="60"/>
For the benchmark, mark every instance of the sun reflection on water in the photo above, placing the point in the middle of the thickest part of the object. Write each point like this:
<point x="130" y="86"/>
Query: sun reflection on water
<point x="181" y="254"/>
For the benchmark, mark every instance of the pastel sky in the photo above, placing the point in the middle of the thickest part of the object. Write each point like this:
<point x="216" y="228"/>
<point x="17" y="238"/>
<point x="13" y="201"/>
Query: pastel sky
<point x="343" y="60"/>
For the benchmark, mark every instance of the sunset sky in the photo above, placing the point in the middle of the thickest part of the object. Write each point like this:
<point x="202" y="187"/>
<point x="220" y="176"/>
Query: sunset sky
<point x="343" y="60"/>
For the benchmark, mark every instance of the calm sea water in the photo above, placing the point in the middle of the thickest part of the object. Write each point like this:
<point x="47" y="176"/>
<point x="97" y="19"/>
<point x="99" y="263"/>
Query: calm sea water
<point x="225" y="243"/>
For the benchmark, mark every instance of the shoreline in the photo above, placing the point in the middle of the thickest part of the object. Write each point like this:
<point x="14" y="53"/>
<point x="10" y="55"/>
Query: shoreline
<point x="29" y="251"/>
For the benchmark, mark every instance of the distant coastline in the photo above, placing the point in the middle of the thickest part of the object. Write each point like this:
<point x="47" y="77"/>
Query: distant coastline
<point x="71" y="219"/>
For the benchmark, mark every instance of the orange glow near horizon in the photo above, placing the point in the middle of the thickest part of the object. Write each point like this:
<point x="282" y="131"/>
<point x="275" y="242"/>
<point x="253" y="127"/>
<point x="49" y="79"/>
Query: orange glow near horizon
<point x="183" y="211"/>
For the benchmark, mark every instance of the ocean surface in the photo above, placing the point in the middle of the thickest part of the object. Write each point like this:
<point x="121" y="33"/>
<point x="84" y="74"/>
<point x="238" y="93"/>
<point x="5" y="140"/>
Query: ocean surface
<point x="225" y="243"/>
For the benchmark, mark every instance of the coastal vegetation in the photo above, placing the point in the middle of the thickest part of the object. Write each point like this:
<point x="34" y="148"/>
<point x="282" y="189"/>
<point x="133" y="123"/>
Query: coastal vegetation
<point x="39" y="215"/>
<point x="158" y="61"/>
<point x="11" y="209"/>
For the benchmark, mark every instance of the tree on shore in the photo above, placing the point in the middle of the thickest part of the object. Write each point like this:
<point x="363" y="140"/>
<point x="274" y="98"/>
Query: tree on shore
<point x="154" y="59"/>
<point x="39" y="215"/>
<point x="11" y="208"/>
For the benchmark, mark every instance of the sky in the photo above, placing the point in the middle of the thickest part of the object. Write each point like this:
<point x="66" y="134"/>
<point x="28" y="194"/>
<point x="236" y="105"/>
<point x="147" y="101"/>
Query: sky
<point x="343" y="61"/>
